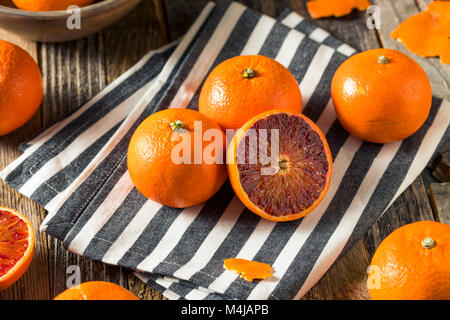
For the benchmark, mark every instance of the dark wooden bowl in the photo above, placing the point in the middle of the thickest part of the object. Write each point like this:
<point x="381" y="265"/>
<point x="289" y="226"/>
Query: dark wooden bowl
<point x="51" y="26"/>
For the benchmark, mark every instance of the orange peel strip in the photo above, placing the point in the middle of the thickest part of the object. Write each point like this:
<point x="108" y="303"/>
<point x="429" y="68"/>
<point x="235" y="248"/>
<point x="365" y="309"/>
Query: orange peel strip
<point x="427" y="33"/>
<point x="249" y="270"/>
<point x="338" y="8"/>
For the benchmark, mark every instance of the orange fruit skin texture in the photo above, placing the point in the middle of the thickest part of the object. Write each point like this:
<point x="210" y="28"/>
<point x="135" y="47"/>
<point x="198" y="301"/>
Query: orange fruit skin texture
<point x="249" y="270"/>
<point x="22" y="265"/>
<point x="428" y="32"/>
<point x="233" y="172"/>
<point x="408" y="270"/>
<point x="96" y="290"/>
<point x="20" y="87"/>
<point x="49" y="5"/>
<point x="381" y="102"/>
<point x="326" y="8"/>
<point x="154" y="173"/>
<point x="231" y="100"/>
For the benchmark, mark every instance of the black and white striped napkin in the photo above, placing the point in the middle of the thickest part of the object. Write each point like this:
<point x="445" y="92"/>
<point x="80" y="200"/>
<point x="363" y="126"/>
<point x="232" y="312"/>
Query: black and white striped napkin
<point x="77" y="169"/>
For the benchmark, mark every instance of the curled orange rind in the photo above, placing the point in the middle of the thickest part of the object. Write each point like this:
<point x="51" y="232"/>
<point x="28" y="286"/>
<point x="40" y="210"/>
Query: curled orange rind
<point x="427" y="33"/>
<point x="338" y="8"/>
<point x="249" y="270"/>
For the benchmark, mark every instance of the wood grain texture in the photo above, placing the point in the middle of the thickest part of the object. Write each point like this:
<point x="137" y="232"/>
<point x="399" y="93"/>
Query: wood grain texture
<point x="76" y="71"/>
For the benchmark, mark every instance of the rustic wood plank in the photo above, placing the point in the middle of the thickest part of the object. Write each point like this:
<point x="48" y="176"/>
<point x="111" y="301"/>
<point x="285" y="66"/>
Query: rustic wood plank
<point x="346" y="279"/>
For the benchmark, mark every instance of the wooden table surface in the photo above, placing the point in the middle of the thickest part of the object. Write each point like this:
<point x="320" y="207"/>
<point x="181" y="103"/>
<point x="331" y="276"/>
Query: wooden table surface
<point x="75" y="71"/>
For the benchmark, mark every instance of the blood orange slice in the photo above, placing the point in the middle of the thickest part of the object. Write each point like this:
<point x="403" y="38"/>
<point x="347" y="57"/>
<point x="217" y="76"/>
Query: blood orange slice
<point x="16" y="246"/>
<point x="292" y="171"/>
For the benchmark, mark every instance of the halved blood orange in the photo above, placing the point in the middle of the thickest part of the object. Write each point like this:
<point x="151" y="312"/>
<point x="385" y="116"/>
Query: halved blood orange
<point x="16" y="246"/>
<point x="284" y="185"/>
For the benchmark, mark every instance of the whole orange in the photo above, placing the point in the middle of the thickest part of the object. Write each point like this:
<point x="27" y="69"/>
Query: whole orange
<point x="49" y="5"/>
<point x="169" y="162"/>
<point x="412" y="263"/>
<point x="242" y="87"/>
<point x="20" y="87"/>
<point x="381" y="95"/>
<point x="96" y="290"/>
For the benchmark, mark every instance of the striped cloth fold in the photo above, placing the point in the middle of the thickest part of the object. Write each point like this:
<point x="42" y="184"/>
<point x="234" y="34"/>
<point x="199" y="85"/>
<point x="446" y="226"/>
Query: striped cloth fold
<point x="77" y="169"/>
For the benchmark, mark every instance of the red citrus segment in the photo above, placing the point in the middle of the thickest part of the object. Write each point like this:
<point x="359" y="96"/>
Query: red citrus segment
<point x="301" y="166"/>
<point x="14" y="240"/>
<point x="249" y="270"/>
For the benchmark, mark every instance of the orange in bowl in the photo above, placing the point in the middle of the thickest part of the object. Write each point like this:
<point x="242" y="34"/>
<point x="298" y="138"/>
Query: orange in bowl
<point x="49" y="5"/>
<point x="20" y="87"/>
<point x="16" y="246"/>
<point x="96" y="290"/>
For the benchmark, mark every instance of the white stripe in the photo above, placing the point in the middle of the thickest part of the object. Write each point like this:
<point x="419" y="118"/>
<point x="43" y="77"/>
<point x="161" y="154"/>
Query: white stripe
<point x="102" y="214"/>
<point x="170" y="239"/>
<point x="196" y="294"/>
<point x="319" y="35"/>
<point x="56" y="203"/>
<point x="292" y="20"/>
<point x="81" y="143"/>
<point x="342" y="233"/>
<point x="169" y="294"/>
<point x="289" y="47"/>
<point x="427" y="147"/>
<point x="131" y="233"/>
<point x="315" y="72"/>
<point x="259" y="35"/>
<point x="306" y="227"/>
<point x="208" y="55"/>
<point x="213" y="241"/>
<point x="346" y="50"/>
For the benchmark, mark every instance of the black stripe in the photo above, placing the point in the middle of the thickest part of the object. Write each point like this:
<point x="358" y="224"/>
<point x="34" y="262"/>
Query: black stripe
<point x="305" y="27"/>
